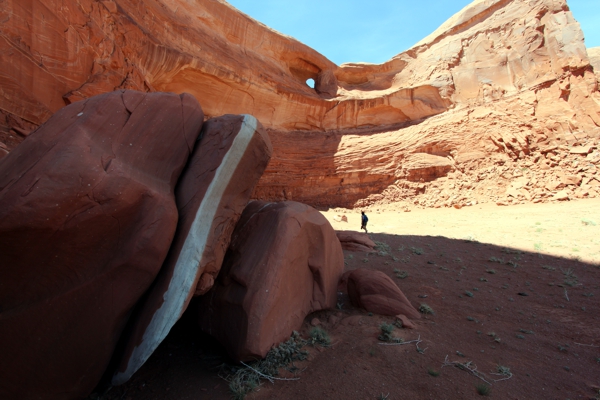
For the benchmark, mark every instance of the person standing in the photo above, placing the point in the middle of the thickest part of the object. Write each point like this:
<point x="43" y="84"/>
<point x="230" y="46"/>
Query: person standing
<point x="363" y="221"/>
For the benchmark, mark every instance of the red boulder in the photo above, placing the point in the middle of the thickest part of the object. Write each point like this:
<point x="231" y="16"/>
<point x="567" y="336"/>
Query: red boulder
<point x="87" y="216"/>
<point x="283" y="263"/>
<point x="355" y="241"/>
<point x="376" y="292"/>
<point x="214" y="189"/>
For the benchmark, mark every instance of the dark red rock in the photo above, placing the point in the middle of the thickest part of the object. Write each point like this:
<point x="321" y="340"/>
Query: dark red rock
<point x="283" y="263"/>
<point x="214" y="189"/>
<point x="355" y="241"/>
<point x="87" y="216"/>
<point x="377" y="293"/>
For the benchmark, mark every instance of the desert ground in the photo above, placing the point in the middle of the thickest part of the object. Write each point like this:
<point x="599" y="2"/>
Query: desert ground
<point x="567" y="229"/>
<point x="515" y="298"/>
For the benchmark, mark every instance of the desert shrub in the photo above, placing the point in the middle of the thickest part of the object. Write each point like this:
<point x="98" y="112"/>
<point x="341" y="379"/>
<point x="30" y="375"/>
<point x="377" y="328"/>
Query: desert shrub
<point x="425" y="309"/>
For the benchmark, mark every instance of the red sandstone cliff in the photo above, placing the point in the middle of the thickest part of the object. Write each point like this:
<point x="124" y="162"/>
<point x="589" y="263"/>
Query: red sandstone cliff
<point x="478" y="103"/>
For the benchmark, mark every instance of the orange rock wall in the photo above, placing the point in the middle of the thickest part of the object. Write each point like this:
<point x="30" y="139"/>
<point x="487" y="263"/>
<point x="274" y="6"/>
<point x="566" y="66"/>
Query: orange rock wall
<point x="493" y="80"/>
<point x="58" y="52"/>
<point x="518" y="77"/>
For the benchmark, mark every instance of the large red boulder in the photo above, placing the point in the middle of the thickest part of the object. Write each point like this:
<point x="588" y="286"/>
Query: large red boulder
<point x="376" y="292"/>
<point x="87" y="216"/>
<point x="214" y="189"/>
<point x="283" y="263"/>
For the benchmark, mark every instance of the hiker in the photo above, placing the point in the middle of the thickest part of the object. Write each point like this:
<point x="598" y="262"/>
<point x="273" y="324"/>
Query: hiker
<point x="363" y="221"/>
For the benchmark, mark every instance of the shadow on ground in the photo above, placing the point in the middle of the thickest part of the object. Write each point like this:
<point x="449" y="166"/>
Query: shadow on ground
<point x="535" y="314"/>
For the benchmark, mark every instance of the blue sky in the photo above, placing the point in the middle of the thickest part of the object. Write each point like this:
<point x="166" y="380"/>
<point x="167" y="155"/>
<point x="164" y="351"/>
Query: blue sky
<point x="352" y="31"/>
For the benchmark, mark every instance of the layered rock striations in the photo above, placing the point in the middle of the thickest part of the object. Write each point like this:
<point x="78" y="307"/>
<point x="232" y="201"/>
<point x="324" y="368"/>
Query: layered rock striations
<point x="491" y="87"/>
<point x="57" y="52"/>
<point x="519" y="80"/>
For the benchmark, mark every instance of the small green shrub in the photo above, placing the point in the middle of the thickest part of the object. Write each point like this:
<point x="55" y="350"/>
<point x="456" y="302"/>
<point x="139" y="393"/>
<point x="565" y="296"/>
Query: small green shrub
<point x="319" y="336"/>
<point x="417" y="250"/>
<point x="382" y="246"/>
<point x="400" y="274"/>
<point x="433" y="372"/>
<point x="502" y="370"/>
<point x="243" y="380"/>
<point x="483" y="389"/>
<point x="425" y="309"/>
<point x="386" y="334"/>
<point x="570" y="278"/>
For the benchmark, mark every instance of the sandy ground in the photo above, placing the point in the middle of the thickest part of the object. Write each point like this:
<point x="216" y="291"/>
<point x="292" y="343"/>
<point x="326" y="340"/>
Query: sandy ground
<point x="514" y="287"/>
<point x="569" y="229"/>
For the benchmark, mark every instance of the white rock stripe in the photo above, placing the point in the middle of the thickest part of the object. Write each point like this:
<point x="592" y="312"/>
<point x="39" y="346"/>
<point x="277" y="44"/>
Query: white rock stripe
<point x="186" y="268"/>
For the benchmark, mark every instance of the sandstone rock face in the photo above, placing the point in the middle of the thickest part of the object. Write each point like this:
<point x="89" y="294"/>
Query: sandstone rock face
<point x="377" y="293"/>
<point x="518" y="77"/>
<point x="87" y="215"/>
<point x="594" y="54"/>
<point x="227" y="162"/>
<point x="497" y="81"/>
<point x="355" y="241"/>
<point x="284" y="262"/>
<point x="206" y="48"/>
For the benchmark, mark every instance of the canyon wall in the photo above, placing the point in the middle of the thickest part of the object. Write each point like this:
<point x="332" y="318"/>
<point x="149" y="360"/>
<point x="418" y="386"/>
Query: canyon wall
<point x="490" y="89"/>
<point x="519" y="80"/>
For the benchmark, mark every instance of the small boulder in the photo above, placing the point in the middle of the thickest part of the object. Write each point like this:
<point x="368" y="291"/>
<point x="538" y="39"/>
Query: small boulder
<point x="406" y="323"/>
<point x="355" y="241"/>
<point x="340" y="218"/>
<point x="378" y="293"/>
<point x="284" y="262"/>
<point x="581" y="149"/>
<point x="571" y="179"/>
<point x="561" y="196"/>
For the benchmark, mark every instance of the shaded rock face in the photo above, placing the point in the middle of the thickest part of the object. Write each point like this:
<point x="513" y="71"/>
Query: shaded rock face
<point x="229" y="158"/>
<point x="284" y="262"/>
<point x="377" y="293"/>
<point x="87" y="216"/>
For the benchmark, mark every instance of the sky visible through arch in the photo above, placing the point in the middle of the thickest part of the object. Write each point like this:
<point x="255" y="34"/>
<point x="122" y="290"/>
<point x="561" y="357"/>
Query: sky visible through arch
<point x="375" y="31"/>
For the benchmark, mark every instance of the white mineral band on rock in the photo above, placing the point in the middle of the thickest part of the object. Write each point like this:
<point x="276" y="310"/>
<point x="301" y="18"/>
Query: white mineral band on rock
<point x="186" y="268"/>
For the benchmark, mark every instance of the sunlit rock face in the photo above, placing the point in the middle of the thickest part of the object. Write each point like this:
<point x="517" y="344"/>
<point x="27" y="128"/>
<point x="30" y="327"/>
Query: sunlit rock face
<point x="594" y="54"/>
<point x="492" y="82"/>
<point x="518" y="78"/>
<point x="57" y="52"/>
